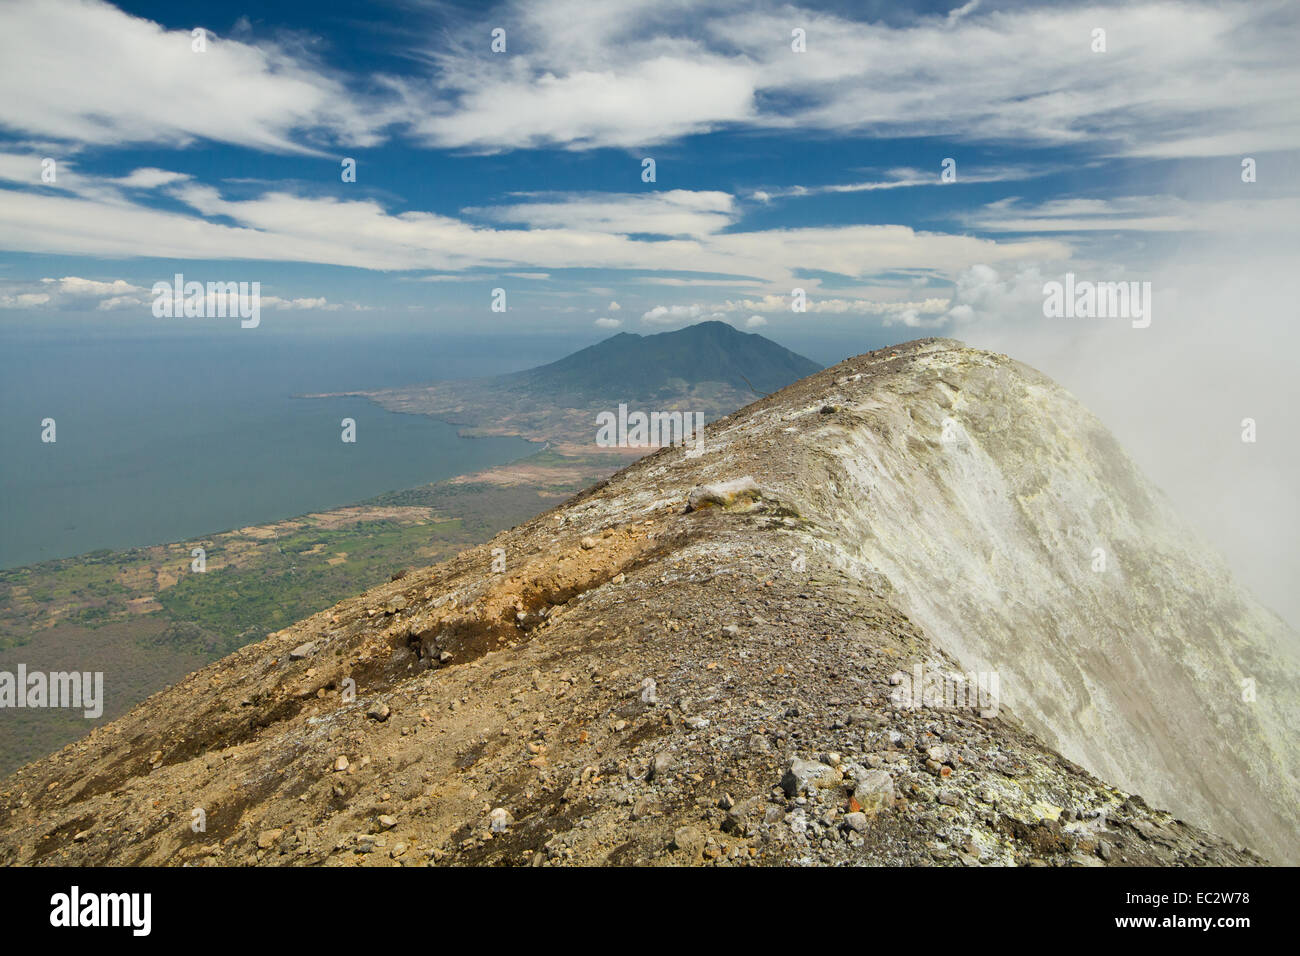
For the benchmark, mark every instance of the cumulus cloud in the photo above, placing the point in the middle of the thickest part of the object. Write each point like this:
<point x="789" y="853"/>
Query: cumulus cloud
<point x="680" y="315"/>
<point x="80" y="294"/>
<point x="605" y="323"/>
<point x="755" y="322"/>
<point x="984" y="296"/>
<point x="68" y="292"/>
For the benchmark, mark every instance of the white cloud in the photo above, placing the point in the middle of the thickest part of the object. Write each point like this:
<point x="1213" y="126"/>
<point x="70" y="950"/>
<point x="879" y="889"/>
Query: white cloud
<point x="690" y="283"/>
<point x="76" y="286"/>
<point x="299" y="304"/>
<point x="678" y="315"/>
<point x="984" y="296"/>
<point x="148" y="177"/>
<point x="282" y="226"/>
<point x="832" y="306"/>
<point x="675" y="212"/>
<point x="69" y="292"/>
<point x="926" y="313"/>
<point x="645" y="100"/>
<point x="84" y="71"/>
<point x="638" y="74"/>
<point x="21" y="167"/>
<point x="77" y="293"/>
<point x="614" y="307"/>
<point x="1140" y="214"/>
<point x="906" y="178"/>
<point x="959" y="12"/>
<point x="23" y="300"/>
<point x="608" y="323"/>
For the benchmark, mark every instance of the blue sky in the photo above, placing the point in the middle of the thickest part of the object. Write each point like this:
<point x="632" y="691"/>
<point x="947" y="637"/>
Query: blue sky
<point x="775" y="169"/>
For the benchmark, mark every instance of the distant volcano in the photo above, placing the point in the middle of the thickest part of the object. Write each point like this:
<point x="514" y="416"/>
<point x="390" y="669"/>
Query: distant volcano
<point x="650" y="366"/>
<point x="709" y="369"/>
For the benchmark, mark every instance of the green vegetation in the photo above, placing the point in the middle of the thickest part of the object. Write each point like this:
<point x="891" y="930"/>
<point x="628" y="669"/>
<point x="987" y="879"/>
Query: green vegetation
<point x="145" y="619"/>
<point x="484" y="509"/>
<point x="242" y="604"/>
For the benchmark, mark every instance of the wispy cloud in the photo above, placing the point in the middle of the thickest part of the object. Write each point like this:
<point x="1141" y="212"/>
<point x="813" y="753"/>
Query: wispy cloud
<point x="1138" y="214"/>
<point x="637" y="74"/>
<point x="673" y="212"/>
<point x="90" y="73"/>
<point x="287" y="227"/>
<point x="907" y="178"/>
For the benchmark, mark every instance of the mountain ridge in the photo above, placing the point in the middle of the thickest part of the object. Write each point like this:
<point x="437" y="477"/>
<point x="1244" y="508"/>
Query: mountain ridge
<point x="699" y="660"/>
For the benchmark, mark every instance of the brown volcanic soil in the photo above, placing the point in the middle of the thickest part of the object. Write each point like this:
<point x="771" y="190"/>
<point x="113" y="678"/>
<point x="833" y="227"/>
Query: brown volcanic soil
<point x="526" y="690"/>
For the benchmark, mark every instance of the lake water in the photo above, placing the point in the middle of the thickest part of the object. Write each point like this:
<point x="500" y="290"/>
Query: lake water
<point x="167" y="433"/>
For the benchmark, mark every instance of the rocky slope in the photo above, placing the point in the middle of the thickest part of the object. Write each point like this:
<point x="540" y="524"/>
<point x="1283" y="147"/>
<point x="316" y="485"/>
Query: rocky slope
<point x="707" y="659"/>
